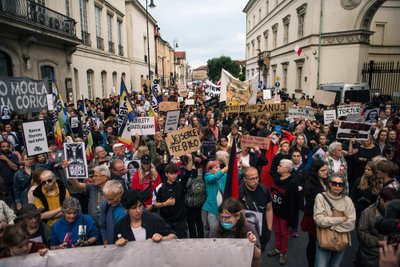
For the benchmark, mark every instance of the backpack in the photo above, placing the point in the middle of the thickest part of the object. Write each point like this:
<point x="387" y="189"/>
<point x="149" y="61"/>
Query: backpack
<point x="195" y="194"/>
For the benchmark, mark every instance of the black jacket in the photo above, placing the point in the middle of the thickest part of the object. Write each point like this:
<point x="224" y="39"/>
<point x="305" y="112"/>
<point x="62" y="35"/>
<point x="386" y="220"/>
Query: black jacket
<point x="284" y="199"/>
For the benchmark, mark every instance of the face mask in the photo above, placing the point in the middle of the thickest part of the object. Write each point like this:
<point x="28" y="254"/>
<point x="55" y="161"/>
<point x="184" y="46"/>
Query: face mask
<point x="227" y="225"/>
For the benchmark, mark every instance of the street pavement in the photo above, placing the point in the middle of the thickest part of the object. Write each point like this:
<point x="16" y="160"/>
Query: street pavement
<point x="296" y="254"/>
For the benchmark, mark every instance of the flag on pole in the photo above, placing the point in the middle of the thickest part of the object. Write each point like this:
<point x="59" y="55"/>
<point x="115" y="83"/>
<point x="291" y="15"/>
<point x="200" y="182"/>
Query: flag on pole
<point x="298" y="49"/>
<point x="87" y="132"/>
<point x="126" y="114"/>
<point x="60" y="117"/>
<point x="232" y="177"/>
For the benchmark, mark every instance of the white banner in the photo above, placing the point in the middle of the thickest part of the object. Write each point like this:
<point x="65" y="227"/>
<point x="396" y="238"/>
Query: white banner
<point x="267" y="94"/>
<point x="301" y="112"/>
<point x="35" y="137"/>
<point x="178" y="253"/>
<point x="329" y="116"/>
<point x="349" y="129"/>
<point x="142" y="126"/>
<point x="211" y="90"/>
<point x="172" y="120"/>
<point x="348" y="110"/>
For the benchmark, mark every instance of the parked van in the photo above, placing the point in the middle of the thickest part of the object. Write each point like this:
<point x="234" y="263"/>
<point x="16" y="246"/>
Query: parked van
<point x="353" y="92"/>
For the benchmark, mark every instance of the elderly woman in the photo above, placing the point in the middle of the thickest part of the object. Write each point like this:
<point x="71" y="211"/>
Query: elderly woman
<point x="74" y="229"/>
<point x="29" y="218"/>
<point x="139" y="224"/>
<point x="336" y="161"/>
<point x="336" y="193"/>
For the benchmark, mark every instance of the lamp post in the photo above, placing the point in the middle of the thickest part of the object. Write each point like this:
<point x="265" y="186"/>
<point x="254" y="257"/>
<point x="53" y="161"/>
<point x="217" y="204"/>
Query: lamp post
<point x="175" y="43"/>
<point x="152" y="5"/>
<point x="260" y="63"/>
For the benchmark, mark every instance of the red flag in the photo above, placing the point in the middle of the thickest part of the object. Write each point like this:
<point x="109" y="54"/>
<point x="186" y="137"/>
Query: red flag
<point x="232" y="178"/>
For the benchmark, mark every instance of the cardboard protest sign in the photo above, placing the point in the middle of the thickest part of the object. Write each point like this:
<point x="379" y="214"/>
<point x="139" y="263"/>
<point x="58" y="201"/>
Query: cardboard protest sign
<point x="183" y="141"/>
<point x="75" y="155"/>
<point x="168" y="105"/>
<point x="35" y="137"/>
<point x="329" y="116"/>
<point x="301" y="112"/>
<point x="279" y="111"/>
<point x="304" y="103"/>
<point x="189" y="102"/>
<point x="183" y="93"/>
<point x="172" y="120"/>
<point x="371" y="115"/>
<point x="254" y="141"/>
<point x="142" y="126"/>
<point x="23" y="95"/>
<point x="324" y="97"/>
<point x="349" y="129"/>
<point x="345" y="110"/>
<point x="277" y="99"/>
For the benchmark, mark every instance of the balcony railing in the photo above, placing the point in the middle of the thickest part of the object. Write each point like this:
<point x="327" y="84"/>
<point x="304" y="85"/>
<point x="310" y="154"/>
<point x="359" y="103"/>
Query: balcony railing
<point x="32" y="13"/>
<point x="120" y="50"/>
<point x="100" y="43"/>
<point x="111" y="47"/>
<point x="86" y="38"/>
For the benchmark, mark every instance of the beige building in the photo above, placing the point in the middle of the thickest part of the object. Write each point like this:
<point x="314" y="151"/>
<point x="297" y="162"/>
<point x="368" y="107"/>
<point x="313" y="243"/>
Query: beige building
<point x="183" y="70"/>
<point x="336" y="38"/>
<point x="200" y="73"/>
<point x="165" y="63"/>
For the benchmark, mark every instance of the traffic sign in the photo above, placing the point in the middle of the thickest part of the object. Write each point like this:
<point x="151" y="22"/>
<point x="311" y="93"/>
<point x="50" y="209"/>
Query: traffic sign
<point x="277" y="84"/>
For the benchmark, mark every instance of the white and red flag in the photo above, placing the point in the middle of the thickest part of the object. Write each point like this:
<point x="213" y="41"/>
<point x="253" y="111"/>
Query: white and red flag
<point x="298" y="49"/>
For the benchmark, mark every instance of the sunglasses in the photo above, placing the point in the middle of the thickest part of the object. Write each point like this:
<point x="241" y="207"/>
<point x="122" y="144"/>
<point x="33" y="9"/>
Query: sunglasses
<point x="48" y="181"/>
<point x="337" y="184"/>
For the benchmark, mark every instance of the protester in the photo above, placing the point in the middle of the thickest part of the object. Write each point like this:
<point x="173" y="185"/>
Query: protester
<point x="22" y="181"/>
<point x="9" y="164"/>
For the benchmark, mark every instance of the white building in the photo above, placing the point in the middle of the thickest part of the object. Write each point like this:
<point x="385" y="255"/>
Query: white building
<point x="336" y="37"/>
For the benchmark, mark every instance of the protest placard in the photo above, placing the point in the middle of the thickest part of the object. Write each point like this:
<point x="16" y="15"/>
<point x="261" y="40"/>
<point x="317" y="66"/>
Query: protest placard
<point x="346" y="110"/>
<point x="267" y="94"/>
<point x="254" y="141"/>
<point x="50" y="104"/>
<point x="213" y="102"/>
<point x="142" y="126"/>
<point x="184" y="93"/>
<point x="277" y="99"/>
<point x="35" y="137"/>
<point x="304" y="103"/>
<point x="371" y="115"/>
<point x="211" y="90"/>
<point x="189" y="102"/>
<point x="279" y="111"/>
<point x="301" y="112"/>
<point x="329" y="116"/>
<point x="168" y="105"/>
<point x="75" y="155"/>
<point x="349" y="129"/>
<point x="324" y="97"/>
<point x="183" y="141"/>
<point x="23" y="95"/>
<point x="171" y="121"/>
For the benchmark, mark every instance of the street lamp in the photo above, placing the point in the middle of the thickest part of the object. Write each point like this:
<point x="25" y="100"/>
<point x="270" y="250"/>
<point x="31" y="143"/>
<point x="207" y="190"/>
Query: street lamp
<point x="175" y="43"/>
<point x="260" y="63"/>
<point x="152" y="5"/>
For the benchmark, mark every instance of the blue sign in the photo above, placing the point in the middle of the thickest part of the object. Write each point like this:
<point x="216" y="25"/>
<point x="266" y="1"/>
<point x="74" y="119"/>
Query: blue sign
<point x="277" y="84"/>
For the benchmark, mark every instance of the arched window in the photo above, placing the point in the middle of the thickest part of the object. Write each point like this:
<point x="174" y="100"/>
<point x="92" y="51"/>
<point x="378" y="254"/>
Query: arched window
<point x="89" y="78"/>
<point x="103" y="83"/>
<point x="5" y="65"/>
<point x="47" y="71"/>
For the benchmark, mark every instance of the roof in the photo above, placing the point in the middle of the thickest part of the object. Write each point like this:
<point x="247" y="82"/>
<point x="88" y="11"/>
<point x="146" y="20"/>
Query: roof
<point x="180" y="54"/>
<point x="203" y="67"/>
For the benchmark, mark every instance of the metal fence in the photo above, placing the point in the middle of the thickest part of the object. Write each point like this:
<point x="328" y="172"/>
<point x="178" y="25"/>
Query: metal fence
<point x="383" y="78"/>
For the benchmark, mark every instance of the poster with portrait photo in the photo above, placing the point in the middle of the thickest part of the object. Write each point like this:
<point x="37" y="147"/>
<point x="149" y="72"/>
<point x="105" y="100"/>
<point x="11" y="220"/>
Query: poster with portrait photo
<point x="371" y="115"/>
<point x="132" y="167"/>
<point x="75" y="155"/>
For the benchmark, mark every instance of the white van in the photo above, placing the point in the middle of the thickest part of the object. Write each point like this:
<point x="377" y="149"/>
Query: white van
<point x="354" y="92"/>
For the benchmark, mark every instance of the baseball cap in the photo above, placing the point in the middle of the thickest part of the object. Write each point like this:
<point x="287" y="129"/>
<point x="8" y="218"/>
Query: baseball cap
<point x="117" y="145"/>
<point x="146" y="159"/>
<point x="278" y="129"/>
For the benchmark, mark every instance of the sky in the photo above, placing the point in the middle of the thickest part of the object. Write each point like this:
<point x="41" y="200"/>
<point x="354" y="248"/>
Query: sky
<point x="203" y="28"/>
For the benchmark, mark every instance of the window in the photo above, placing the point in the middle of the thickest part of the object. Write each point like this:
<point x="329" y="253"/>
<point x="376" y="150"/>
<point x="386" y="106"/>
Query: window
<point x="145" y="48"/>
<point x="274" y="35"/>
<point x="259" y="42"/>
<point x="299" y="73"/>
<point x="248" y="50"/>
<point x="266" y="33"/>
<point x="123" y="76"/>
<point x="249" y="25"/>
<point x="111" y="48"/>
<point x="254" y="20"/>
<point x="67" y="8"/>
<point x="259" y="14"/>
<point x="379" y="35"/>
<point x="5" y="65"/>
<point x="301" y="12"/>
<point x="252" y="48"/>
<point x="273" y="74"/>
<point x="97" y="15"/>
<point x="284" y="74"/>
<point x="114" y="79"/>
<point x="252" y="73"/>
<point x="119" y="38"/>
<point x="267" y="7"/>
<point x="83" y="15"/>
<point x="103" y="83"/>
<point x="47" y="72"/>
<point x="89" y="79"/>
<point x="286" y="21"/>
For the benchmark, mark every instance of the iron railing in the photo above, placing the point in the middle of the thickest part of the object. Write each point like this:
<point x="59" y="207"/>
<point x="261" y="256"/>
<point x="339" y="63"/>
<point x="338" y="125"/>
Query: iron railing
<point x="86" y="38"/>
<point x="33" y="13"/>
<point x="100" y="43"/>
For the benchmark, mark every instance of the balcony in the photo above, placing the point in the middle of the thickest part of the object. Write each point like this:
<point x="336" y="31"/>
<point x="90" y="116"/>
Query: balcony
<point x="111" y="47"/>
<point x="86" y="38"/>
<point x="32" y="14"/>
<point x="120" y="50"/>
<point x="100" y="43"/>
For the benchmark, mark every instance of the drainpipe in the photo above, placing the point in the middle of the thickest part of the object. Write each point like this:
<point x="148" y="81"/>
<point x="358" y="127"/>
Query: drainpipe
<point x="319" y="39"/>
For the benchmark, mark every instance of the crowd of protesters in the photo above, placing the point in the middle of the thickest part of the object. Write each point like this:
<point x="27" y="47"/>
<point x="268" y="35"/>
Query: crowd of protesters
<point x="141" y="191"/>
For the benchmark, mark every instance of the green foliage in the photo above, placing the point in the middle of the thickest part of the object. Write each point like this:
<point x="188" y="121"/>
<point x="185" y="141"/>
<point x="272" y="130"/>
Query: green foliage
<point x="215" y="65"/>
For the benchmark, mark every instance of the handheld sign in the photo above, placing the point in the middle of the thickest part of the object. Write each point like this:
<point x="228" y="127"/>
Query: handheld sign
<point x="75" y="155"/>
<point x="348" y="110"/>
<point x="142" y="126"/>
<point x="348" y="130"/>
<point x="183" y="141"/>
<point x="172" y="120"/>
<point x="168" y="105"/>
<point x="329" y="116"/>
<point x="301" y="112"/>
<point x="324" y="97"/>
<point x="254" y="141"/>
<point x="35" y="137"/>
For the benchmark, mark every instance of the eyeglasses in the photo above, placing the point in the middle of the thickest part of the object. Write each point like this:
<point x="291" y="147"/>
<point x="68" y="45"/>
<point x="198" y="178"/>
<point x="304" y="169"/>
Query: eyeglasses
<point x="48" y="181"/>
<point x="337" y="184"/>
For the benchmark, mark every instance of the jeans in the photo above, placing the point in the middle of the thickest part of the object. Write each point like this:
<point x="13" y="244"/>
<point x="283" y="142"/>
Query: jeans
<point x="311" y="248"/>
<point x="195" y="223"/>
<point x="281" y="230"/>
<point x="212" y="221"/>
<point x="327" y="258"/>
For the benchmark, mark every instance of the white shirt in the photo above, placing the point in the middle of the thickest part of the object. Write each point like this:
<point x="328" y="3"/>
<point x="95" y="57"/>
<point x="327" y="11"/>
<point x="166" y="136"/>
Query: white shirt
<point x="139" y="233"/>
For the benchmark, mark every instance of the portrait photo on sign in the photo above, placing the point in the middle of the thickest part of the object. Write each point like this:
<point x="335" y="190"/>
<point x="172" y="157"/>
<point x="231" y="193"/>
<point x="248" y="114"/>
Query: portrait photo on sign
<point x="76" y="157"/>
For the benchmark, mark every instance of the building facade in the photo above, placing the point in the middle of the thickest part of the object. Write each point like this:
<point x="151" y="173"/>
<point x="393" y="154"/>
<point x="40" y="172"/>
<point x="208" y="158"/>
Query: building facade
<point x="200" y="73"/>
<point x="336" y="38"/>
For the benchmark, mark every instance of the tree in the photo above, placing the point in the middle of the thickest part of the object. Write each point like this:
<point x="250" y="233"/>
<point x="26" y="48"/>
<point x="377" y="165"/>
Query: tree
<point x="215" y="65"/>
